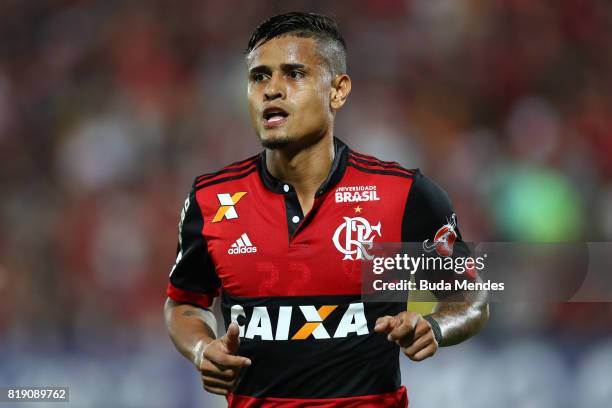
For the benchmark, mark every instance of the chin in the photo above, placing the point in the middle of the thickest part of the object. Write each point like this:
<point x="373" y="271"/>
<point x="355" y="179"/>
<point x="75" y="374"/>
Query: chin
<point x="275" y="142"/>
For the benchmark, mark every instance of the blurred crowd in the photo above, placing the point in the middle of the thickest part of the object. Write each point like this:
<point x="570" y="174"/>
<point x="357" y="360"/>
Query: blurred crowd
<point x="109" y="109"/>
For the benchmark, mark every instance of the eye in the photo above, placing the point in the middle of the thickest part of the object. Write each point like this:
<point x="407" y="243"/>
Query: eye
<point x="296" y="74"/>
<point x="258" y="77"/>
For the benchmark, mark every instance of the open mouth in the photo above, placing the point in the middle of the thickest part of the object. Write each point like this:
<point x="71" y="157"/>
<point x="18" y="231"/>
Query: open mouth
<point x="274" y="117"/>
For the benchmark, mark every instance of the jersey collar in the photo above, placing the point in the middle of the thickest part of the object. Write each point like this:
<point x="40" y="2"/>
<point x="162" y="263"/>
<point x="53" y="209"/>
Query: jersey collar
<point x="335" y="175"/>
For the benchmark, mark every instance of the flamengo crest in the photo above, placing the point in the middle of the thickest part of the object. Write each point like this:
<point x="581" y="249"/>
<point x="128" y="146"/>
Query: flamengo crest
<point x="444" y="239"/>
<point x="355" y="237"/>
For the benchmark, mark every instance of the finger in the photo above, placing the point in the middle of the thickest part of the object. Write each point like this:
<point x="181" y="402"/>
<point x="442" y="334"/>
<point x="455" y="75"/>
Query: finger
<point x="212" y="370"/>
<point x="422" y="327"/>
<point x="217" y="383"/>
<point x="216" y="390"/>
<point x="225" y="361"/>
<point x="231" y="339"/>
<point x="383" y="324"/>
<point x="405" y="328"/>
<point x="392" y="322"/>
<point x="418" y="344"/>
<point x="218" y="357"/>
<point x="425" y="353"/>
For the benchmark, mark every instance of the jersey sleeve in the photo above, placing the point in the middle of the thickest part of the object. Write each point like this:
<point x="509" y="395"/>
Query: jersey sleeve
<point x="192" y="278"/>
<point x="430" y="221"/>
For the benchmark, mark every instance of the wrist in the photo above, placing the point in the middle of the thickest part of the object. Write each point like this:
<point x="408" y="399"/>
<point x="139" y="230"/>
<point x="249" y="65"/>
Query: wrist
<point x="435" y="327"/>
<point x="197" y="351"/>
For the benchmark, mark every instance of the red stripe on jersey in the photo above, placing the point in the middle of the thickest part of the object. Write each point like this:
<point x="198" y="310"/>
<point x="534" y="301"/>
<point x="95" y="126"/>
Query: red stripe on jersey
<point x="228" y="168"/>
<point x="395" y="399"/>
<point x="186" y="296"/>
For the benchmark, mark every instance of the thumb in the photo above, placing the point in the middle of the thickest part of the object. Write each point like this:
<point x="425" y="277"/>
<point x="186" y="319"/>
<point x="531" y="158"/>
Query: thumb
<point x="231" y="339"/>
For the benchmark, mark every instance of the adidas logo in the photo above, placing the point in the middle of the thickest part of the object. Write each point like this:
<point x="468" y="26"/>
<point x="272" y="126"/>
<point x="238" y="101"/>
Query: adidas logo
<point x="242" y="245"/>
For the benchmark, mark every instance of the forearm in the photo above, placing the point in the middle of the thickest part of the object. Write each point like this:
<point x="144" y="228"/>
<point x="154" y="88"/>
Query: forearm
<point x="190" y="328"/>
<point x="460" y="320"/>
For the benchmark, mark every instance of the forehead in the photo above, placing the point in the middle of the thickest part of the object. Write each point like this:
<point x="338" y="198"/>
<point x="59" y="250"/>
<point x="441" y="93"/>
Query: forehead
<point x="285" y="50"/>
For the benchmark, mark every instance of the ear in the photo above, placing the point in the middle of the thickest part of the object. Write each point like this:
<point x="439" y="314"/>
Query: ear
<point x="340" y="90"/>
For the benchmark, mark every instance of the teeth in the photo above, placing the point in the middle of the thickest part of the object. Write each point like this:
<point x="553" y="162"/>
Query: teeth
<point x="269" y="115"/>
<point x="275" y="118"/>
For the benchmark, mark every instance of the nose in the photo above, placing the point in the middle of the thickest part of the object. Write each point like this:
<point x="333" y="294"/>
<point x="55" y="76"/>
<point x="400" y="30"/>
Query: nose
<point x="274" y="89"/>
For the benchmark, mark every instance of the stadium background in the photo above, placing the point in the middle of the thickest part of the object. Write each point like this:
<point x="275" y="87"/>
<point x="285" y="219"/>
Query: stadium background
<point x="108" y="110"/>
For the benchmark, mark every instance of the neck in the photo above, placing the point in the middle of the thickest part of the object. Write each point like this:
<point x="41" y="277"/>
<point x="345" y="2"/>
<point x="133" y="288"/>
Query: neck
<point x="306" y="168"/>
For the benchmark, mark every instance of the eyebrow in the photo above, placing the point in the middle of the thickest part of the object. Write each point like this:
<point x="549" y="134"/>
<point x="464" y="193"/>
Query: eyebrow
<point x="284" y="67"/>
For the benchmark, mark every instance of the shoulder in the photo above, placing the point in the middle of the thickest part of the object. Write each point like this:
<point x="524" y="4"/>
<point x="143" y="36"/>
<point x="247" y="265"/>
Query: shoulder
<point x="428" y="209"/>
<point x="426" y="191"/>
<point x="372" y="165"/>
<point x="233" y="171"/>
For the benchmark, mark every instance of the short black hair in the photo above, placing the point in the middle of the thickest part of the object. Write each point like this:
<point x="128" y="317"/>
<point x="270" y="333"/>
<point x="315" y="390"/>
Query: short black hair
<point x="322" y="28"/>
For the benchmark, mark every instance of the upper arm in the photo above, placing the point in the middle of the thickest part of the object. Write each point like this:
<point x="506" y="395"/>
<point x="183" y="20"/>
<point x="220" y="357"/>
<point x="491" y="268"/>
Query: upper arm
<point x="431" y="224"/>
<point x="193" y="278"/>
<point x="428" y="208"/>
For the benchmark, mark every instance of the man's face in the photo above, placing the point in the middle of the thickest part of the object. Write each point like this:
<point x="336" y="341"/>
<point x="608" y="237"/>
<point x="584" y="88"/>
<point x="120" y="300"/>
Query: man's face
<point x="289" y="92"/>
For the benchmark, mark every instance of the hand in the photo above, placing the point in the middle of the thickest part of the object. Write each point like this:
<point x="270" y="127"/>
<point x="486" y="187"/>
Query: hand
<point x="411" y="332"/>
<point x="218" y="363"/>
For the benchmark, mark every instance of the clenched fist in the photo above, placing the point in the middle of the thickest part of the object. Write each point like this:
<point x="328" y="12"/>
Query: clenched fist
<point x="218" y="363"/>
<point x="411" y="332"/>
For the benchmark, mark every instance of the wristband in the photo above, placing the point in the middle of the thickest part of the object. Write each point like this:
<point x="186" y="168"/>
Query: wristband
<point x="435" y="327"/>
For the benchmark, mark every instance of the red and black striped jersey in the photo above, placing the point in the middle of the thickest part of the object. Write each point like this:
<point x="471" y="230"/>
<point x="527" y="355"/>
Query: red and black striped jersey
<point x="292" y="281"/>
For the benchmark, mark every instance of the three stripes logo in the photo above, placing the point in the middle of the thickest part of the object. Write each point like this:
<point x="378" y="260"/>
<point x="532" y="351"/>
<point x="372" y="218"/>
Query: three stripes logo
<point x="227" y="209"/>
<point x="242" y="245"/>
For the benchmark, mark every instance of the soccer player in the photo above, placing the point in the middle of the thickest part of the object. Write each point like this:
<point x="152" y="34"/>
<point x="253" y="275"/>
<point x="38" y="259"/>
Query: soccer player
<point x="280" y="238"/>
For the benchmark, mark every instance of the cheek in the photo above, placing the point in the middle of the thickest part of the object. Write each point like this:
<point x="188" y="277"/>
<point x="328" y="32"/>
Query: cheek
<point x="316" y="102"/>
<point x="252" y="106"/>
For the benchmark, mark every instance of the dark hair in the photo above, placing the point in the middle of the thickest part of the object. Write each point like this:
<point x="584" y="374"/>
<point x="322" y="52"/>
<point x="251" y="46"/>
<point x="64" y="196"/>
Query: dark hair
<point x="308" y="25"/>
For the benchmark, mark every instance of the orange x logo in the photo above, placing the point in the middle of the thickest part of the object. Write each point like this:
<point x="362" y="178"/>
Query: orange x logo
<point x="308" y="328"/>
<point x="227" y="209"/>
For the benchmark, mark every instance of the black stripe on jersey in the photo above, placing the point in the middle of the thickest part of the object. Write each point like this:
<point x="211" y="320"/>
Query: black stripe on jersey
<point x="365" y="156"/>
<point x="387" y="165"/>
<point x="225" y="170"/>
<point x="369" y="157"/>
<point x="194" y="270"/>
<point x="206" y="183"/>
<point x="347" y="366"/>
<point x="254" y="157"/>
<point x="375" y="171"/>
<point x="372" y="158"/>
